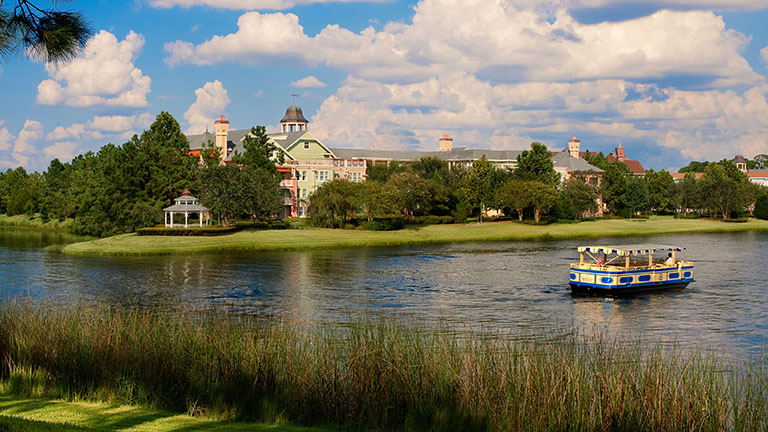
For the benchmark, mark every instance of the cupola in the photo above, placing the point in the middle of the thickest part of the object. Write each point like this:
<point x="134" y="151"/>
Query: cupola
<point x="294" y="120"/>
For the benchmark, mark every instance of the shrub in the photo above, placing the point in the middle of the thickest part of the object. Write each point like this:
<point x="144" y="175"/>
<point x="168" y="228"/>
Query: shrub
<point x="736" y="220"/>
<point x="192" y="232"/>
<point x="761" y="207"/>
<point x="383" y="224"/>
<point x="461" y="213"/>
<point x="431" y="220"/>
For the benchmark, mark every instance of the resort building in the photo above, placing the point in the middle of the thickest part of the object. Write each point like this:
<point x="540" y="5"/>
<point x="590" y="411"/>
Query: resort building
<point x="635" y="167"/>
<point x="309" y="163"/>
<point x="756" y="177"/>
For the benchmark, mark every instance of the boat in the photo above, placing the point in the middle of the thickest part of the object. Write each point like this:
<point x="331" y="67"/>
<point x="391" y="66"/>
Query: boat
<point x="631" y="269"/>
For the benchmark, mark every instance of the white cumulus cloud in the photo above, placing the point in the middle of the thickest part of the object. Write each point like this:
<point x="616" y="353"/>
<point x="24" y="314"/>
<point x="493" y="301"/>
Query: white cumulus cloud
<point x="104" y="74"/>
<point x="210" y="101"/>
<point x="308" y="81"/>
<point x="64" y="150"/>
<point x="6" y="138"/>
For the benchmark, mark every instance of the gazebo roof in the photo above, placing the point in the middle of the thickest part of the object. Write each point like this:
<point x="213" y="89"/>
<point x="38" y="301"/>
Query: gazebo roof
<point x="195" y="208"/>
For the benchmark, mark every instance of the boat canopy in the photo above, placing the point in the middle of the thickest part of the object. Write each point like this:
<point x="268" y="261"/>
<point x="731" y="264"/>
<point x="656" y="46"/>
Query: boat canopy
<point x="627" y="250"/>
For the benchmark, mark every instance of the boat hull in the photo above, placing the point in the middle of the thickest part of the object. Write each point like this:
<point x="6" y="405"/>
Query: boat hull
<point x="577" y="289"/>
<point x="593" y="280"/>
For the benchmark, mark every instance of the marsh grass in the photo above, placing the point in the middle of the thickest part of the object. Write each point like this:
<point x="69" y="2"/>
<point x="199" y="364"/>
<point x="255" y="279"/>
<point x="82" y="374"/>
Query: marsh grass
<point x="380" y="375"/>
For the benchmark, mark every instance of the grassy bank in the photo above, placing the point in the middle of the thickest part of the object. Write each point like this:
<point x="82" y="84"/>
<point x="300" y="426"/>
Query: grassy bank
<point x="372" y="375"/>
<point x="131" y="244"/>
<point x="24" y="221"/>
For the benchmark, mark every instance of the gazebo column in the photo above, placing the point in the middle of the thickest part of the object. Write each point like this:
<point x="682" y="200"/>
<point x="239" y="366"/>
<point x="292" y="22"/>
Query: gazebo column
<point x="200" y="215"/>
<point x="165" y="219"/>
<point x="186" y="218"/>
<point x="171" y="219"/>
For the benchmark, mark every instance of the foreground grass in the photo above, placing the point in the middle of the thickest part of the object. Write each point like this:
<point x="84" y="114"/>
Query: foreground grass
<point x="23" y="414"/>
<point x="24" y="221"/>
<point x="373" y="375"/>
<point x="131" y="244"/>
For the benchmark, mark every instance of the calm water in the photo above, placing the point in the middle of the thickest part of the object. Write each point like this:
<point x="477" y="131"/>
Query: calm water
<point x="518" y="286"/>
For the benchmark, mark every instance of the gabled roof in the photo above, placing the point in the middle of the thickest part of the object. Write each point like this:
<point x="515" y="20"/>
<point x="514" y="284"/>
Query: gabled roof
<point x="635" y="167"/>
<point x="455" y="155"/>
<point x="571" y="164"/>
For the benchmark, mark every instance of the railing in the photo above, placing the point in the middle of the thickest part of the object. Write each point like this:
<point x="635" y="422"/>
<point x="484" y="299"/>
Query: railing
<point x="287" y="201"/>
<point x="286" y="183"/>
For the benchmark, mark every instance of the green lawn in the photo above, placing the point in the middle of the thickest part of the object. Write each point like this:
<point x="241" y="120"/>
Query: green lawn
<point x="131" y="244"/>
<point x="18" y="414"/>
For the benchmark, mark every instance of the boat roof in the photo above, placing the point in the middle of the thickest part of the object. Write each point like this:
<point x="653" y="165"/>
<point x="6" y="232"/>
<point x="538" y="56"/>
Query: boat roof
<point x="625" y="250"/>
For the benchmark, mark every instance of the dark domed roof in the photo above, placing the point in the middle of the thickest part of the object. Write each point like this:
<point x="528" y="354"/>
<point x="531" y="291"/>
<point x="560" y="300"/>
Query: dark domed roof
<point x="293" y="114"/>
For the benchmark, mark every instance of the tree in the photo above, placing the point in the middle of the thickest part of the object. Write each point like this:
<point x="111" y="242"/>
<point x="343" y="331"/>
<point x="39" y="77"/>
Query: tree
<point x="761" y="207"/>
<point x="222" y="192"/>
<point x="382" y="172"/>
<point x="536" y="164"/>
<point x="688" y="194"/>
<point x="636" y="196"/>
<point x="542" y="197"/>
<point x="333" y="204"/>
<point x="597" y="160"/>
<point x="512" y="194"/>
<point x="431" y="168"/>
<point x="378" y="199"/>
<point x="44" y="34"/>
<point x="694" y="167"/>
<point x="661" y="190"/>
<point x="723" y="188"/>
<point x="260" y="152"/>
<point x="614" y="186"/>
<point x="415" y="193"/>
<point x="478" y="185"/>
<point x="582" y="196"/>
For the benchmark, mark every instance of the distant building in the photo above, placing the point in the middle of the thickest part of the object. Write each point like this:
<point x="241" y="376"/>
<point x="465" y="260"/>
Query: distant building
<point x="756" y="177"/>
<point x="635" y="167"/>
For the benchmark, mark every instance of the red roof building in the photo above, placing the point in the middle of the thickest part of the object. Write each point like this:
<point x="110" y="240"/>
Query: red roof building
<point x="635" y="167"/>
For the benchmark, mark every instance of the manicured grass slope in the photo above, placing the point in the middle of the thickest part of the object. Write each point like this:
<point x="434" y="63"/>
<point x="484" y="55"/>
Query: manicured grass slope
<point x="24" y="414"/>
<point x="131" y="244"/>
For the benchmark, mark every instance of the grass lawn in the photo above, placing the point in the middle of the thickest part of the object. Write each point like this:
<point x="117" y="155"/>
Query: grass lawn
<point x="19" y="414"/>
<point x="313" y="238"/>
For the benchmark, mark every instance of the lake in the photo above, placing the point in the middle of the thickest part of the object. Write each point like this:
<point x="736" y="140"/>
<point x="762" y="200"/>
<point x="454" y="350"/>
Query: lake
<point x="510" y="286"/>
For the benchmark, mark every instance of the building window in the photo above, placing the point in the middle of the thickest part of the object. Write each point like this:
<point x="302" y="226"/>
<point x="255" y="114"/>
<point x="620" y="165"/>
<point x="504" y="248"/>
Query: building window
<point x="306" y="145"/>
<point x="303" y="175"/>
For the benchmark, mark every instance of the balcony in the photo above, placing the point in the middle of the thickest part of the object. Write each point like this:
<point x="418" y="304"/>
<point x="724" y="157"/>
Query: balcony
<point x="286" y="184"/>
<point x="287" y="201"/>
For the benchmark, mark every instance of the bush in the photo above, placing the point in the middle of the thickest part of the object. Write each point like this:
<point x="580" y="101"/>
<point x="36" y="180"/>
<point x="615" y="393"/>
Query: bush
<point x="761" y="207"/>
<point x="461" y="213"/>
<point x="498" y="218"/>
<point x="383" y="224"/>
<point x="736" y="220"/>
<point x="192" y="232"/>
<point x="431" y="220"/>
<point x="265" y="225"/>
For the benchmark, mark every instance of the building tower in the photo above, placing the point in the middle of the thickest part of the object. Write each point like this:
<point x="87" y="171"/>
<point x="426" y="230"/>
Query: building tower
<point x="446" y="143"/>
<point x="620" y="153"/>
<point x="573" y="147"/>
<point x="294" y="120"/>
<point x="741" y="164"/>
<point x="221" y="126"/>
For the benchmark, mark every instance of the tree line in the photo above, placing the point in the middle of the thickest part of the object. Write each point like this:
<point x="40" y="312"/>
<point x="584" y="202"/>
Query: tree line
<point x="124" y="187"/>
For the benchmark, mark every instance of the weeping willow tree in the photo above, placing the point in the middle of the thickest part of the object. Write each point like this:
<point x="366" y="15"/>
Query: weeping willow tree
<point x="41" y="33"/>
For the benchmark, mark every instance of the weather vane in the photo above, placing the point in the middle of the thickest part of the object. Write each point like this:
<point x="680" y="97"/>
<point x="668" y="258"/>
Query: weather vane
<point x="294" y="98"/>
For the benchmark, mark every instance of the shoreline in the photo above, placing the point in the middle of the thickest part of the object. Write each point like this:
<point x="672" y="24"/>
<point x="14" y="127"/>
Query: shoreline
<point x="324" y="238"/>
<point x="35" y="222"/>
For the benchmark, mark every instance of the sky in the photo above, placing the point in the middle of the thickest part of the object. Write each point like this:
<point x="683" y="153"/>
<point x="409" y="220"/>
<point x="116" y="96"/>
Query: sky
<point x="672" y="81"/>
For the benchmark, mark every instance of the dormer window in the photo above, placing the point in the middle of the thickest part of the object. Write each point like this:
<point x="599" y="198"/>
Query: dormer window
<point x="306" y="145"/>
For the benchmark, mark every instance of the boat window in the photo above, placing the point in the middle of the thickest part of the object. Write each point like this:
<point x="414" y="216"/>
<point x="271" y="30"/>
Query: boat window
<point x="644" y="278"/>
<point x="573" y="276"/>
<point x="606" y="280"/>
<point x="687" y="274"/>
<point x="625" y="279"/>
<point x="674" y="275"/>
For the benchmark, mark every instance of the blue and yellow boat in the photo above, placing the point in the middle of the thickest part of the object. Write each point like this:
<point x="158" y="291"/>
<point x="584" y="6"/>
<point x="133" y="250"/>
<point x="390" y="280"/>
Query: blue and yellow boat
<point x="617" y="270"/>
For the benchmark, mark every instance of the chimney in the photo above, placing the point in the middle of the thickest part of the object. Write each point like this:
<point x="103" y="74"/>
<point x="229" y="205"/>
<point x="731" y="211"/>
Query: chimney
<point x="620" y="152"/>
<point x="222" y="129"/>
<point x="573" y="147"/>
<point x="446" y="143"/>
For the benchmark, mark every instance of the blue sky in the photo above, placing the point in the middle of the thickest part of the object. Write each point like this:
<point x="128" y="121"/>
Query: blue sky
<point x="672" y="81"/>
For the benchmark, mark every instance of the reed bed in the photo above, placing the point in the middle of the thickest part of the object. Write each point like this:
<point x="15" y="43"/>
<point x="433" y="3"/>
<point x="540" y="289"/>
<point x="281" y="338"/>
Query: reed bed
<point x="373" y="375"/>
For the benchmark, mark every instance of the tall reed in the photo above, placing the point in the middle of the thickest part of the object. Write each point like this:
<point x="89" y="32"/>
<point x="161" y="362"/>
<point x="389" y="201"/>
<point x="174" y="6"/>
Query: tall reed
<point x="378" y="375"/>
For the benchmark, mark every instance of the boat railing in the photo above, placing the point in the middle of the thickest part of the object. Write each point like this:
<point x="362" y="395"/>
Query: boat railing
<point x="613" y="267"/>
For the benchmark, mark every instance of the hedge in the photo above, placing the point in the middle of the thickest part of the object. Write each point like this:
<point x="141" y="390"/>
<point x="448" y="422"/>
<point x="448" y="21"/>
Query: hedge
<point x="383" y="224"/>
<point x="431" y="220"/>
<point x="201" y="232"/>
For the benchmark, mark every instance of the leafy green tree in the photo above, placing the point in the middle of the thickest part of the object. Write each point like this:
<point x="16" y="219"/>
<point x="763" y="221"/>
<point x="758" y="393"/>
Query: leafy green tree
<point x="661" y="191"/>
<point x="416" y="193"/>
<point x="21" y="191"/>
<point x="536" y="164"/>
<point x="614" y="186"/>
<point x="431" y="168"/>
<point x="334" y="204"/>
<point x="597" y="160"/>
<point x="260" y="152"/>
<point x="513" y="194"/>
<point x="761" y="207"/>
<point x="723" y="187"/>
<point x="636" y="196"/>
<point x="260" y="194"/>
<point x="694" y="167"/>
<point x="542" y="197"/>
<point x="689" y="194"/>
<point x="582" y="196"/>
<point x="478" y="185"/>
<point x="382" y="172"/>
<point x="222" y="192"/>
<point x="378" y="199"/>
<point x="44" y="34"/>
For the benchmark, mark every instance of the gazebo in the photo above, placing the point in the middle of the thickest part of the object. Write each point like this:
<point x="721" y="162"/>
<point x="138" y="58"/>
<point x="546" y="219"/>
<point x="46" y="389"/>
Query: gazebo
<point x="186" y="204"/>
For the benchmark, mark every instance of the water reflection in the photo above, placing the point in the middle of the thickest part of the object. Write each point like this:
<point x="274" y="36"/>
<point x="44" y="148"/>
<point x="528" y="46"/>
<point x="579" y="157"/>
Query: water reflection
<point x="517" y="286"/>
